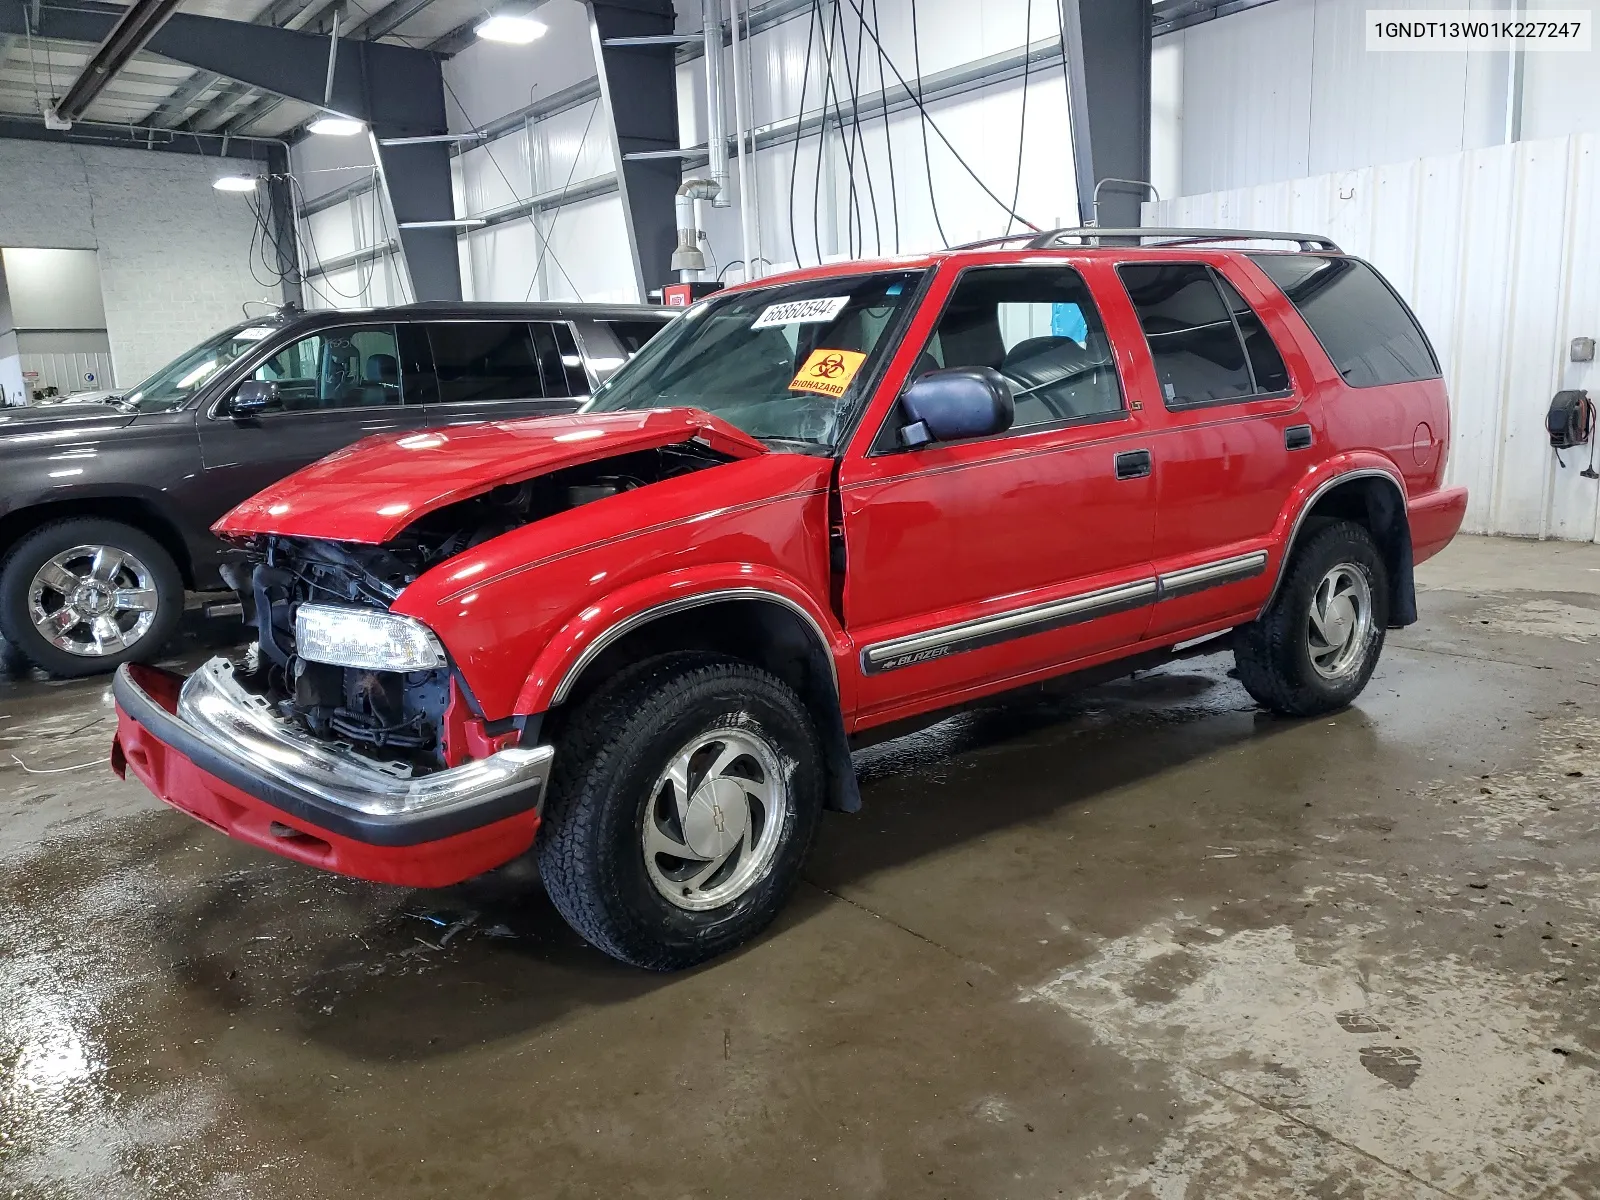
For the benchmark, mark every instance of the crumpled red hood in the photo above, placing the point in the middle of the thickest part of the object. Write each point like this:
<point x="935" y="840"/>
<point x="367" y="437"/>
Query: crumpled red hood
<point x="372" y="490"/>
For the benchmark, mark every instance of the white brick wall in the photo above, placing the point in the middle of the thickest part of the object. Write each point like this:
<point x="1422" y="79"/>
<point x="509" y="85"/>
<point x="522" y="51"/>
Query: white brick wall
<point x="173" y="251"/>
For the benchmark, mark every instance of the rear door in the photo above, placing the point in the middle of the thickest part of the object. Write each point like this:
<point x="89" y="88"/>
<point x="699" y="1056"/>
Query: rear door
<point x="337" y="386"/>
<point x="497" y="370"/>
<point x="1232" y="437"/>
<point x="975" y="564"/>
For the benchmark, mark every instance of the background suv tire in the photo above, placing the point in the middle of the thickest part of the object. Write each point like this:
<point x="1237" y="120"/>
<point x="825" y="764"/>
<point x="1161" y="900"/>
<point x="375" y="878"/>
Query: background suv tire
<point x="84" y="595"/>
<point x="1314" y="648"/>
<point x="686" y="795"/>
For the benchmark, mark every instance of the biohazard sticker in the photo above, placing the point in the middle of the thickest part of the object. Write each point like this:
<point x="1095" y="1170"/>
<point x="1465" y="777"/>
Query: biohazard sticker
<point x="801" y="312"/>
<point x="828" y="372"/>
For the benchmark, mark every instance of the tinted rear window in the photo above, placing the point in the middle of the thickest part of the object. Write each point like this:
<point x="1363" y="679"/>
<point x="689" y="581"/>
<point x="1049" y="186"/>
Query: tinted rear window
<point x="1198" y="356"/>
<point x="1367" y="331"/>
<point x="634" y="334"/>
<point x="485" y="360"/>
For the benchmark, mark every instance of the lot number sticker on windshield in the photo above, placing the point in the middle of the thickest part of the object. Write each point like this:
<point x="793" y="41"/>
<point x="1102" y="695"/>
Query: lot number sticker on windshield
<point x="801" y="312"/>
<point x="828" y="372"/>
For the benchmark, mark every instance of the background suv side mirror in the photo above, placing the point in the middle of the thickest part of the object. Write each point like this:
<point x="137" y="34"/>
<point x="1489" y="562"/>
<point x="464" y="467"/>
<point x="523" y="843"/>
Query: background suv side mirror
<point x="254" y="397"/>
<point x="955" y="403"/>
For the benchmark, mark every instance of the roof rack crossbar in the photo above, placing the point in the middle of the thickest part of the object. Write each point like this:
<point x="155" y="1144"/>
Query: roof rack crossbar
<point x="1052" y="238"/>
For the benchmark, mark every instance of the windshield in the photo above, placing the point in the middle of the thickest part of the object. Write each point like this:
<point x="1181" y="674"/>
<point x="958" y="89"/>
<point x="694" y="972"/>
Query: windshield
<point x="782" y="363"/>
<point x="171" y="387"/>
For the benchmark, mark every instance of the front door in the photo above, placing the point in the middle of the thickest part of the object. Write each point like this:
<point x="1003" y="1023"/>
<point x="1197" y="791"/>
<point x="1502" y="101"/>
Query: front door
<point x="1231" y="440"/>
<point x="335" y="386"/>
<point x="974" y="565"/>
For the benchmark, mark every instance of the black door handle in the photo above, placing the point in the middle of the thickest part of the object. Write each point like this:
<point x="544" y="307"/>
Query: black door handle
<point x="1133" y="464"/>
<point x="1297" y="437"/>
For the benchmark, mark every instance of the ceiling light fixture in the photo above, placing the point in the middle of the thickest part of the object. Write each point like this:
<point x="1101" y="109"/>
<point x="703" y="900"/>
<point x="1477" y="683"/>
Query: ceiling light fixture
<point x="332" y="126"/>
<point x="515" y="31"/>
<point x="235" y="183"/>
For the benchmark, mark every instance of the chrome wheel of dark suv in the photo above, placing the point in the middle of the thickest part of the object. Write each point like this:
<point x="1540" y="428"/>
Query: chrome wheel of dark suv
<point x="81" y="596"/>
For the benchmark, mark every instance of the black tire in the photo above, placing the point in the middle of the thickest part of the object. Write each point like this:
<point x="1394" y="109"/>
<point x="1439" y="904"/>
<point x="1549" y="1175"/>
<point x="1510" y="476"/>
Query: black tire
<point x="1274" y="653"/>
<point x="615" y="749"/>
<point x="31" y="554"/>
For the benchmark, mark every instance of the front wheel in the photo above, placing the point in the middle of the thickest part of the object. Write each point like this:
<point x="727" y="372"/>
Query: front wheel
<point x="82" y="596"/>
<point x="1314" y="648"/>
<point x="685" y="798"/>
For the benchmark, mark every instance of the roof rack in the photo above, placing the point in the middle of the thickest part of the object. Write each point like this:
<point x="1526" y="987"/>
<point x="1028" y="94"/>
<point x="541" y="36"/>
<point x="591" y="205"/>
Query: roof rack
<point x="1053" y="237"/>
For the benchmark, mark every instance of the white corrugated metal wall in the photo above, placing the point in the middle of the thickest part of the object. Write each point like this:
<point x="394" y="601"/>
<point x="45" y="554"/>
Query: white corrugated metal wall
<point x="357" y="226"/>
<point x="1288" y="90"/>
<point x="587" y="255"/>
<point x="1498" y="252"/>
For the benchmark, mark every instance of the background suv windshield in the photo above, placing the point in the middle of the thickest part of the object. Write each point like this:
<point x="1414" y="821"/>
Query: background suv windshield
<point x="783" y="363"/>
<point x="172" y="386"/>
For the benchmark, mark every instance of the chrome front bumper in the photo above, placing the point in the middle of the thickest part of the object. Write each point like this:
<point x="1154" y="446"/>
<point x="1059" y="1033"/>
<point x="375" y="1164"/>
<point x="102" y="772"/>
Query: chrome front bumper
<point x="234" y="734"/>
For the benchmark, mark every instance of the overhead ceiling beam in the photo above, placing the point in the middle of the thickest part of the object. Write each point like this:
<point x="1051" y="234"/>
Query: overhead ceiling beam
<point x="458" y="39"/>
<point x="132" y="31"/>
<point x="314" y="16"/>
<point x="1169" y="16"/>
<point x="176" y="106"/>
<point x="389" y="18"/>
<point x="395" y="86"/>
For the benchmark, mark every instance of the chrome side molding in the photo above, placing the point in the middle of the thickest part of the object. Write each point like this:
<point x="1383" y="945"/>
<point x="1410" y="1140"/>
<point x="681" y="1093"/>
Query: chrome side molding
<point x="989" y="631"/>
<point x="1210" y="575"/>
<point x="1041" y="618"/>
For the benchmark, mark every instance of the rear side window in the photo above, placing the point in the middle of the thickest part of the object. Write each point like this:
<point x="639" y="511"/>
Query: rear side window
<point x="1199" y="357"/>
<point x="632" y="335"/>
<point x="1266" y="364"/>
<point x="1367" y="331"/>
<point x="489" y="360"/>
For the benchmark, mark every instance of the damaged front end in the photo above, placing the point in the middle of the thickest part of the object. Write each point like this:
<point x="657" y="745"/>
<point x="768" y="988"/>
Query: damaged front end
<point x="345" y="737"/>
<point x="422" y="716"/>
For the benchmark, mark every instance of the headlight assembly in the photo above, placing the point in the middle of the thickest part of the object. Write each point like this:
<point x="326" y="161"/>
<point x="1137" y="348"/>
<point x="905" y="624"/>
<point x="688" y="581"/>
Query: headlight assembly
<point x="365" y="638"/>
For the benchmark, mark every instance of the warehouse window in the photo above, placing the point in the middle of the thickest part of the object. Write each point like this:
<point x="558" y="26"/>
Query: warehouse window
<point x="1038" y="327"/>
<point x="1367" y="331"/>
<point x="1199" y="358"/>
<point x="355" y="367"/>
<point x="485" y="360"/>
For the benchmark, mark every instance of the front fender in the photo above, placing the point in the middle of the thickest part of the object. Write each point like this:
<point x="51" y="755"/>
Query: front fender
<point x="580" y="639"/>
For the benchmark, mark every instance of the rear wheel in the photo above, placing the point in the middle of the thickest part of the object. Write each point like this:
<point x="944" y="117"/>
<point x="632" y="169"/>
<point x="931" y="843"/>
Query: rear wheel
<point x="686" y="796"/>
<point x="1317" y="644"/>
<point x="81" y="596"/>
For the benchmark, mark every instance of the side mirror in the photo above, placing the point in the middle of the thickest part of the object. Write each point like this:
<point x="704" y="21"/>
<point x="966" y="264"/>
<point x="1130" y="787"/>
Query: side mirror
<point x="254" y="397"/>
<point x="956" y="403"/>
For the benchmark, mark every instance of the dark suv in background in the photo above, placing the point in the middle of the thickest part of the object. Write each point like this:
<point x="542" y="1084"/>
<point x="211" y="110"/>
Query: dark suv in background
<point x="106" y="509"/>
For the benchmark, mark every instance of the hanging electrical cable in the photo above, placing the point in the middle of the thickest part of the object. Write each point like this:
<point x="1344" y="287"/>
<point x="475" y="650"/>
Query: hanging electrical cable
<point x="852" y="212"/>
<point x="1022" y="120"/>
<point x="888" y="142"/>
<point x="317" y="268"/>
<point x="799" y="125"/>
<point x="822" y="133"/>
<point x="922" y="120"/>
<point x="857" y="138"/>
<point x="940" y="133"/>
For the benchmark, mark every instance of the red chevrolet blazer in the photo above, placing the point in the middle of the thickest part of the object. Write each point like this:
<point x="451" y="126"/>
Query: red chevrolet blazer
<point x="645" y="637"/>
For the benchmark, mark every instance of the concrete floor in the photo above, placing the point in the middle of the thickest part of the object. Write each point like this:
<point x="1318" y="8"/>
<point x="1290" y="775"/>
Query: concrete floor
<point x="1144" y="941"/>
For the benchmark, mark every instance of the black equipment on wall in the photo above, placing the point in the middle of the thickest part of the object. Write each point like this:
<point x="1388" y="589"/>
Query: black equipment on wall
<point x="1570" y="422"/>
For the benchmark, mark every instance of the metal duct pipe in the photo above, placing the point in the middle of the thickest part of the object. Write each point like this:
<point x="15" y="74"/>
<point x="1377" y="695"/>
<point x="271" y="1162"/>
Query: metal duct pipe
<point x="749" y="196"/>
<point x="687" y="259"/>
<point x="128" y="36"/>
<point x="716" y="126"/>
